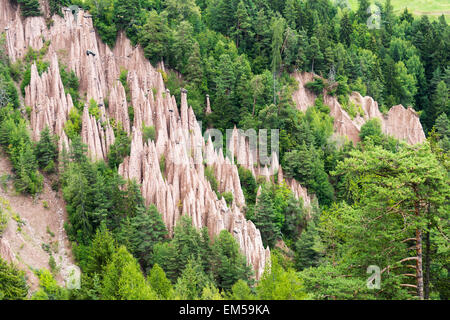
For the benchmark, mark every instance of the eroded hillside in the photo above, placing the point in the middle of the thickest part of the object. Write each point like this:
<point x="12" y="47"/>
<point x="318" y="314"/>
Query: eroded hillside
<point x="399" y="122"/>
<point x="35" y="229"/>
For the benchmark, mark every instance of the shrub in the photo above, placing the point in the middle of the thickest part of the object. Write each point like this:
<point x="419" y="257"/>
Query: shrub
<point x="119" y="150"/>
<point x="316" y="86"/>
<point x="30" y="8"/>
<point x="93" y="109"/>
<point x="228" y="196"/>
<point x="210" y="176"/>
<point x="162" y="165"/>
<point x="149" y="133"/>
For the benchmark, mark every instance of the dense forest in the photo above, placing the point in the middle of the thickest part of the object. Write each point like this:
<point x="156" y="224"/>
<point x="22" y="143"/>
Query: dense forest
<point x="380" y="202"/>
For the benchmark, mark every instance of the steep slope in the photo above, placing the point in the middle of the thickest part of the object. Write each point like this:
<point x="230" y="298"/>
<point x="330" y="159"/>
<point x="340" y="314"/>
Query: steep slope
<point x="182" y="188"/>
<point x="399" y="122"/>
<point x="35" y="229"/>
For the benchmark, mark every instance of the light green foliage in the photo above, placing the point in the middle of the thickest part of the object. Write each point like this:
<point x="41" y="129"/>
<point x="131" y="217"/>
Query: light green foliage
<point x="123" y="279"/>
<point x="49" y="288"/>
<point x="73" y="125"/>
<point x="279" y="284"/>
<point x="228" y="196"/>
<point x="93" y="109"/>
<point x="71" y="84"/>
<point x="13" y="285"/>
<point x="162" y="165"/>
<point x="210" y="292"/>
<point x="192" y="281"/>
<point x="149" y="133"/>
<point x="5" y="213"/>
<point x="119" y="149"/>
<point x="241" y="291"/>
<point x="211" y="177"/>
<point x="160" y="284"/>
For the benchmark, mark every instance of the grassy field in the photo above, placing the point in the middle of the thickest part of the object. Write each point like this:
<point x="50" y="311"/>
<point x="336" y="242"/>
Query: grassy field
<point x="432" y="8"/>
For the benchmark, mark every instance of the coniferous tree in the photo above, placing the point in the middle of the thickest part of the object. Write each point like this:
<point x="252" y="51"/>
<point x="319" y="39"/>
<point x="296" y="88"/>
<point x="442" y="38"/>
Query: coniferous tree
<point x="265" y="216"/>
<point x="229" y="265"/>
<point x="46" y="149"/>
<point x="30" y="8"/>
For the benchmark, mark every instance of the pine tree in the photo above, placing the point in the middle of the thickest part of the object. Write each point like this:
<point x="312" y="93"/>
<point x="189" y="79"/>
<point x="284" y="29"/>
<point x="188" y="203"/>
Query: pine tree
<point x="123" y="279"/>
<point x="265" y="216"/>
<point x="346" y="28"/>
<point x="192" y="281"/>
<point x="314" y="54"/>
<point x="363" y="6"/>
<point x="395" y="192"/>
<point x="101" y="250"/>
<point x="153" y="37"/>
<point x="194" y="72"/>
<point x="159" y="283"/>
<point x="441" y="102"/>
<point x="30" y="8"/>
<point x="307" y="248"/>
<point x="141" y="233"/>
<point x="229" y="265"/>
<point x="46" y="150"/>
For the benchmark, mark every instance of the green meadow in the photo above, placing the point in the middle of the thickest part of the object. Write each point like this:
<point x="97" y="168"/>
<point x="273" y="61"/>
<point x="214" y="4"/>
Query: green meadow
<point x="432" y="8"/>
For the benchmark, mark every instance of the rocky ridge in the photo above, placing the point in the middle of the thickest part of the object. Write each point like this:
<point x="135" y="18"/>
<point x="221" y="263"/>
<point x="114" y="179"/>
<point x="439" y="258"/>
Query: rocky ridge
<point x="181" y="187"/>
<point x="401" y="123"/>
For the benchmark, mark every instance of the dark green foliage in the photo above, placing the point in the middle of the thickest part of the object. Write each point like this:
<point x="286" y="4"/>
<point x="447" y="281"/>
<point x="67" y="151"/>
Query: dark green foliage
<point x="46" y="150"/>
<point x="30" y="8"/>
<point x="316" y="86"/>
<point x="100" y="251"/>
<point x="141" y="232"/>
<point x="221" y="262"/>
<point x="119" y="150"/>
<point x="306" y="165"/>
<point x="210" y="176"/>
<point x="56" y="5"/>
<point x="154" y="37"/>
<point x="294" y="217"/>
<point x="265" y="218"/>
<point x="71" y="84"/>
<point x="186" y="243"/>
<point x="15" y="138"/>
<point x="248" y="184"/>
<point x="241" y="54"/>
<point x="229" y="265"/>
<point x="307" y="248"/>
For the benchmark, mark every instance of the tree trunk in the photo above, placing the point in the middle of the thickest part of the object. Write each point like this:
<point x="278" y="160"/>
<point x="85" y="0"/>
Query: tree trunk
<point x="427" y="267"/>
<point x="254" y="106"/>
<point x="427" y="256"/>
<point x="419" y="271"/>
